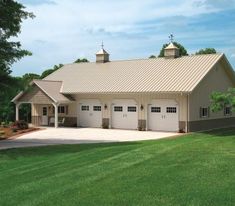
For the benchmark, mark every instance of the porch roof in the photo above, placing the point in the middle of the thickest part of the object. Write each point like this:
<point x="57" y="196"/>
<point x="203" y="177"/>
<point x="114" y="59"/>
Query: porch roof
<point x="50" y="89"/>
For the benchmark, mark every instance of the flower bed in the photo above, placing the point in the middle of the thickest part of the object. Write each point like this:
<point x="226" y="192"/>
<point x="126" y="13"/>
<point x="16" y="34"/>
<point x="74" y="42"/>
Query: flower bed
<point x="15" y="129"/>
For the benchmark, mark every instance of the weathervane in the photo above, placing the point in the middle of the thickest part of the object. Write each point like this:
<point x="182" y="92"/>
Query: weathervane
<point x="171" y="37"/>
<point x="102" y="45"/>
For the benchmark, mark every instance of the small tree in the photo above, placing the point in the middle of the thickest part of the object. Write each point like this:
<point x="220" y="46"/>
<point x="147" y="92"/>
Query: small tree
<point x="81" y="60"/>
<point x="206" y="51"/>
<point x="152" y="57"/>
<point x="182" y="50"/>
<point x="49" y="71"/>
<point x="220" y="99"/>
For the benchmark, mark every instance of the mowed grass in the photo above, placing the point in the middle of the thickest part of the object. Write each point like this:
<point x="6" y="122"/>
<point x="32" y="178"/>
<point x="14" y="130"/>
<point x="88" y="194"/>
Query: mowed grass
<point x="195" y="169"/>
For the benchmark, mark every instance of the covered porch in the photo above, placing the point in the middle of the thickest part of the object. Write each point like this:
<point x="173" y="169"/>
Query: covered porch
<point x="48" y="106"/>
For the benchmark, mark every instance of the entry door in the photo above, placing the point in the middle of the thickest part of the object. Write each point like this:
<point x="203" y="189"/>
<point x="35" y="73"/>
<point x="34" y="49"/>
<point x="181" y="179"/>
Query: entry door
<point x="90" y="113"/>
<point x="163" y="115"/>
<point x="125" y="114"/>
<point x="44" y="116"/>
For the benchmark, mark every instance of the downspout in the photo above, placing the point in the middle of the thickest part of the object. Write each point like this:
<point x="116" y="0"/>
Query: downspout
<point x="187" y="123"/>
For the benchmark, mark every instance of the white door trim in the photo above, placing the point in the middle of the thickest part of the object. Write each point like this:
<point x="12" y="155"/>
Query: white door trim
<point x="45" y="116"/>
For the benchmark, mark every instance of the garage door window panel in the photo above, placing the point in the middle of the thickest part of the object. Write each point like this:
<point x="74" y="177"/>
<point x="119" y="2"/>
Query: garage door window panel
<point x="97" y="108"/>
<point x="156" y="109"/>
<point x="171" y="110"/>
<point x="118" y="109"/>
<point x="85" y="108"/>
<point x="131" y="109"/>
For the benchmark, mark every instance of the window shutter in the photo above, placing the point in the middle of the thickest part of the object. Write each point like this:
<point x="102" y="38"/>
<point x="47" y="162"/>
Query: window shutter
<point x="200" y="112"/>
<point x="208" y="112"/>
<point x="224" y="110"/>
<point x="67" y="109"/>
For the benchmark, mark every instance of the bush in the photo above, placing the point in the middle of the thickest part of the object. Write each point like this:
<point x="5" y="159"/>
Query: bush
<point x="3" y="124"/>
<point x="2" y="134"/>
<point x="20" y="125"/>
<point x="14" y="128"/>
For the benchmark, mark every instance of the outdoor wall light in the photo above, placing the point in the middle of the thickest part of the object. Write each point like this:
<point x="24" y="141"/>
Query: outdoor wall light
<point x="105" y="106"/>
<point x="141" y="107"/>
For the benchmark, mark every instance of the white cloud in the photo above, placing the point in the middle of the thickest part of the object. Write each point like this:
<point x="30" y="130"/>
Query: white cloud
<point x="67" y="29"/>
<point x="233" y="55"/>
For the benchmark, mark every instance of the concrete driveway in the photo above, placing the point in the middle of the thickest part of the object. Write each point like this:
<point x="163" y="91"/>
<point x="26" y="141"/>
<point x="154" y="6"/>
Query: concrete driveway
<point x="52" y="136"/>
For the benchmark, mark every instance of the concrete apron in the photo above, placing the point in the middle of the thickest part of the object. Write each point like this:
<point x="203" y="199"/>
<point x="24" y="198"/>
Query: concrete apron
<point x="52" y="136"/>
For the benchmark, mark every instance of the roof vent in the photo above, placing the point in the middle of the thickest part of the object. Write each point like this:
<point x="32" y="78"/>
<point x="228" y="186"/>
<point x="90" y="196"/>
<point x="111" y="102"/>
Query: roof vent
<point x="102" y="56"/>
<point x="171" y="51"/>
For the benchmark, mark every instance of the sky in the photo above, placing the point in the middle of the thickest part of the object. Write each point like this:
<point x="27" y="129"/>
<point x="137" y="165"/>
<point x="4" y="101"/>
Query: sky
<point x="64" y="30"/>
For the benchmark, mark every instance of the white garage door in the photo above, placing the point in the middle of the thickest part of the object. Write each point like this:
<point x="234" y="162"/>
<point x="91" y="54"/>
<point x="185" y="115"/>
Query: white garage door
<point x="124" y="114"/>
<point x="90" y="113"/>
<point x="163" y="115"/>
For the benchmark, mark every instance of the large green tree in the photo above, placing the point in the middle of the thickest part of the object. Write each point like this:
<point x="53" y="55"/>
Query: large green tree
<point x="12" y="13"/>
<point x="206" y="51"/>
<point x="221" y="99"/>
<point x="182" y="50"/>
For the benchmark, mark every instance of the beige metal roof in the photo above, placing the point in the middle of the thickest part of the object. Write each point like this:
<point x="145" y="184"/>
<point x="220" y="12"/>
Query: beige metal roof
<point x="52" y="89"/>
<point x="146" y="75"/>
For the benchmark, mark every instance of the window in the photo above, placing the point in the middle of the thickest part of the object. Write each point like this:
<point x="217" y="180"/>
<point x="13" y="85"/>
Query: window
<point x="156" y="109"/>
<point x="204" y="112"/>
<point x="131" y="109"/>
<point x="227" y="110"/>
<point x="44" y="111"/>
<point x="85" y="108"/>
<point x="171" y="110"/>
<point x="61" y="109"/>
<point x="96" y="108"/>
<point x="117" y="109"/>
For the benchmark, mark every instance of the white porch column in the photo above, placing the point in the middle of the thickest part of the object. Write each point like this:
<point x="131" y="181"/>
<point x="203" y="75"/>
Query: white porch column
<point x="56" y="115"/>
<point x="17" y="111"/>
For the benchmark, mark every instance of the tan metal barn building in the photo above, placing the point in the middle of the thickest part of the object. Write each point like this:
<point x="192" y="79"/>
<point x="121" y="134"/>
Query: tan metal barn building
<point x="165" y="94"/>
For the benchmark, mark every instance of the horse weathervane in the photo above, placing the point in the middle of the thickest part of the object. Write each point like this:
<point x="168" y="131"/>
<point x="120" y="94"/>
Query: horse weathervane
<point x="171" y="37"/>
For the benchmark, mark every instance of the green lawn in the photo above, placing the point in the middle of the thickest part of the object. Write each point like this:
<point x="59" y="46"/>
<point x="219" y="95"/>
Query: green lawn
<point x="195" y="169"/>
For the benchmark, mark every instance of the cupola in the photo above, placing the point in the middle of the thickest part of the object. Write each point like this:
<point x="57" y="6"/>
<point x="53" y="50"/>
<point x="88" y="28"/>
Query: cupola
<point x="171" y="51"/>
<point x="102" y="56"/>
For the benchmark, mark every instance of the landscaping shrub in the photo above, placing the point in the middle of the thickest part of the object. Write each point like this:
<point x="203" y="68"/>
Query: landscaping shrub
<point x="3" y="124"/>
<point x="20" y="125"/>
<point x="2" y="134"/>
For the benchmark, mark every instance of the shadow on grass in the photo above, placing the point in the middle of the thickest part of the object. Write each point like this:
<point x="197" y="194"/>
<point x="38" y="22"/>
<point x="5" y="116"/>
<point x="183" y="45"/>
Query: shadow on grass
<point x="224" y="132"/>
<point x="45" y="150"/>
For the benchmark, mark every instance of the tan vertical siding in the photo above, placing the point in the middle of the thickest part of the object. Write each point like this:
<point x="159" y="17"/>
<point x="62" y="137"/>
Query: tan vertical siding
<point x="216" y="80"/>
<point x="35" y="95"/>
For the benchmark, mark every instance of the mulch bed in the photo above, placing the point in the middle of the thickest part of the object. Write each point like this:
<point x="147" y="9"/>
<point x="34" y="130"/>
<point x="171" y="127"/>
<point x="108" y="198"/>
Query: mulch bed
<point x="10" y="134"/>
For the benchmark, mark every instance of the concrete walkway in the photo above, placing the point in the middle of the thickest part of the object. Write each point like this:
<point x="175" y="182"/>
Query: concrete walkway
<point x="52" y="136"/>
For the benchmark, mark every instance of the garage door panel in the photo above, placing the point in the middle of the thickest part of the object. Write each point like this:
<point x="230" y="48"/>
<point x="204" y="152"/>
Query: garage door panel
<point x="90" y="114"/>
<point x="124" y="115"/>
<point x="163" y="115"/>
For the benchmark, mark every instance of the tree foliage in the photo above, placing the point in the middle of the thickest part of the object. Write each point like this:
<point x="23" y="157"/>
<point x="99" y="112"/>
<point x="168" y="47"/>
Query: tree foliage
<point x="206" y="51"/>
<point x="17" y="84"/>
<point x="11" y="16"/>
<point x="81" y="60"/>
<point x="220" y="99"/>
<point x="49" y="71"/>
<point x="182" y="50"/>
<point x="152" y="57"/>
